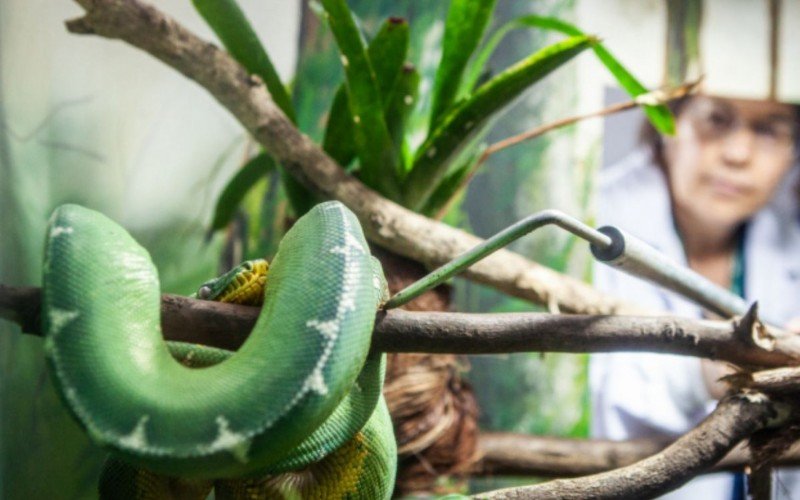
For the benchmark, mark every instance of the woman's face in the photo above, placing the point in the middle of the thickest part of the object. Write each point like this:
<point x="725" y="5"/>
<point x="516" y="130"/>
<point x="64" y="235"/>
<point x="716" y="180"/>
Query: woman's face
<point x="728" y="157"/>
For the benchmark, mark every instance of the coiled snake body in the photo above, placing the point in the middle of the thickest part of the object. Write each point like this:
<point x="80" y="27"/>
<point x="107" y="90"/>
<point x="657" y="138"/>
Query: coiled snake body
<point x="301" y="388"/>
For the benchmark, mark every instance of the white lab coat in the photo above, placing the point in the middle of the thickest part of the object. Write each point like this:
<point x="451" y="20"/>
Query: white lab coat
<point x="645" y="394"/>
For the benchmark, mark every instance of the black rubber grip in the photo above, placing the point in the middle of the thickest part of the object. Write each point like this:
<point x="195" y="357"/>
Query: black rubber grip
<point x="615" y="250"/>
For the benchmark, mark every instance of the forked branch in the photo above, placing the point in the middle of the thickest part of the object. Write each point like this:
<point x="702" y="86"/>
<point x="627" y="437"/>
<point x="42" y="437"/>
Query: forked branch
<point x="734" y="419"/>
<point x="546" y="456"/>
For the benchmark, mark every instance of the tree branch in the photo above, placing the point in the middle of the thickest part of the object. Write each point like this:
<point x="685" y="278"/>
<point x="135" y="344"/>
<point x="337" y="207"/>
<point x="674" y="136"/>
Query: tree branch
<point x="735" y="418"/>
<point x="386" y="223"/>
<point x="228" y="325"/>
<point x="776" y="381"/>
<point x="461" y="333"/>
<point x="510" y="454"/>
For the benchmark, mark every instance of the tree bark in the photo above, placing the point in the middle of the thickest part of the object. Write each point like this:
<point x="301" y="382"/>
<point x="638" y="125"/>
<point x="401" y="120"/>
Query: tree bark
<point x="228" y="325"/>
<point x="510" y="454"/>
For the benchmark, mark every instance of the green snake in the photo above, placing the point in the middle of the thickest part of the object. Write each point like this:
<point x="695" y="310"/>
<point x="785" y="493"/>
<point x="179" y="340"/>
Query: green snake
<point x="302" y="394"/>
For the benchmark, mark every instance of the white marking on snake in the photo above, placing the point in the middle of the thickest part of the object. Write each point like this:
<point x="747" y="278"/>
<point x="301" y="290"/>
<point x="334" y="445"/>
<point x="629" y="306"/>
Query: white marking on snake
<point x="136" y="266"/>
<point x="59" y="318"/>
<point x="316" y="382"/>
<point x="350" y="243"/>
<point x="348" y="304"/>
<point x="136" y="440"/>
<point x="330" y="328"/>
<point x="59" y="230"/>
<point x="237" y="444"/>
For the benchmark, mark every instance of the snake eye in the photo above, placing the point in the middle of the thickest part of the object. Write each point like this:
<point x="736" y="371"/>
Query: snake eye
<point x="204" y="293"/>
<point x="248" y="265"/>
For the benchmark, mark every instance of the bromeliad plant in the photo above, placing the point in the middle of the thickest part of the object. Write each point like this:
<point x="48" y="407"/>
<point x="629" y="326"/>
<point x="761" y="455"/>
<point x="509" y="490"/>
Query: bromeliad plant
<point x="369" y="132"/>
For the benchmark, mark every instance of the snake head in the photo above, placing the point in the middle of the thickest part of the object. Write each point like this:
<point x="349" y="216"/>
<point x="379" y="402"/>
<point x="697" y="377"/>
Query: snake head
<point x="244" y="284"/>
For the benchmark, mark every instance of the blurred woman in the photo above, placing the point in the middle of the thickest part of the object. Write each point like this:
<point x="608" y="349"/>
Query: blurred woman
<point x="719" y="197"/>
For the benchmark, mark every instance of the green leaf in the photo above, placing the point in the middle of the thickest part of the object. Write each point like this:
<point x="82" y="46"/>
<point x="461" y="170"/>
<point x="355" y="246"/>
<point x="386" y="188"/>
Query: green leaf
<point x="445" y="144"/>
<point x="659" y="116"/>
<point x="237" y="35"/>
<point x="237" y="188"/>
<point x="400" y="105"/>
<point x="388" y="51"/>
<point x="377" y="155"/>
<point x="451" y="185"/>
<point x="464" y="27"/>
<point x="339" y="141"/>
<point x="300" y="197"/>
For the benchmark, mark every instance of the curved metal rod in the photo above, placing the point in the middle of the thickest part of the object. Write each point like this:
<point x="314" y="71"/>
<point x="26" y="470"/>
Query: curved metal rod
<point x="499" y="240"/>
<point x="609" y="245"/>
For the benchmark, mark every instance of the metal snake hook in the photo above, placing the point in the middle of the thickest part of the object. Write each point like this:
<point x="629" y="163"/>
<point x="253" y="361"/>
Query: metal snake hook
<point x="609" y="245"/>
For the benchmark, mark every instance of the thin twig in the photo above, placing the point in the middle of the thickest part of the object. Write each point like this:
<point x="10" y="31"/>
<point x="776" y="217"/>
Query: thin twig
<point x="548" y="127"/>
<point x="656" y="97"/>
<point x="651" y="98"/>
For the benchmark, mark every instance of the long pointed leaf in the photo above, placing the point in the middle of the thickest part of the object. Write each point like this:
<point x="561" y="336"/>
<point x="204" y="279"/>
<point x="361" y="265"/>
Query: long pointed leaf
<point x="398" y="109"/>
<point x="434" y="157"/>
<point x="450" y="185"/>
<point x="379" y="160"/>
<point x="237" y="35"/>
<point x="340" y="141"/>
<point x="464" y="27"/>
<point x="659" y="116"/>
<point x="236" y="188"/>
<point x="387" y="52"/>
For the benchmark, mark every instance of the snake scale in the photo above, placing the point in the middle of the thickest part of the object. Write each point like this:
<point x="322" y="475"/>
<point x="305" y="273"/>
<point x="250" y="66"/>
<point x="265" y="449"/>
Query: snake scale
<point x="302" y="394"/>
